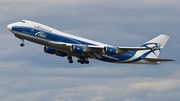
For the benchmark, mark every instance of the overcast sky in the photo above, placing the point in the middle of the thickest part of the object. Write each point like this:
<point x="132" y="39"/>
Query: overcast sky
<point x="29" y="74"/>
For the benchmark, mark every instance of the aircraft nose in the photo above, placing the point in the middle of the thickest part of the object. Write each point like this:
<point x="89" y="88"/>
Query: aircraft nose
<point x="9" y="26"/>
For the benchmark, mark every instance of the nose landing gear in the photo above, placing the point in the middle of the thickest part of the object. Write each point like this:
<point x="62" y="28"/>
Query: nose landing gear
<point x="22" y="44"/>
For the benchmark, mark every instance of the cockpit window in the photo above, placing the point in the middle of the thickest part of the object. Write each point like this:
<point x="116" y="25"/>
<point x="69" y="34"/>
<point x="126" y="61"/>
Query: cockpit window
<point x="22" y="21"/>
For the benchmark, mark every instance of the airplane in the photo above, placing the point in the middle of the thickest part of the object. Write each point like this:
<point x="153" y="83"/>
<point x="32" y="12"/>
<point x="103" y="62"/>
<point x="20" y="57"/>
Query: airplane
<point x="66" y="45"/>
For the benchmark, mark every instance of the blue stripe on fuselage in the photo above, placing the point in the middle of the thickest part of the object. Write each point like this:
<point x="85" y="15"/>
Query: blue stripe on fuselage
<point x="49" y="35"/>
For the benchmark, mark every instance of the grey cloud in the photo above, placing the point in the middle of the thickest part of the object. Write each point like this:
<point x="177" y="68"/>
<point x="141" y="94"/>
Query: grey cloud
<point x="78" y="83"/>
<point x="87" y="89"/>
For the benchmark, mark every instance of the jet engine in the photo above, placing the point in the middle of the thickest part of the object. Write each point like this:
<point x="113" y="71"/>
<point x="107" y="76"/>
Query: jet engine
<point x="77" y="49"/>
<point x="110" y="50"/>
<point x="49" y="50"/>
<point x="54" y="51"/>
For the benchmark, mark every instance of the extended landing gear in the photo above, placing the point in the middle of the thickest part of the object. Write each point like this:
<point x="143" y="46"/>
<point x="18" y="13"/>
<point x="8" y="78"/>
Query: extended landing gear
<point x="22" y="44"/>
<point x="70" y="59"/>
<point x="82" y="60"/>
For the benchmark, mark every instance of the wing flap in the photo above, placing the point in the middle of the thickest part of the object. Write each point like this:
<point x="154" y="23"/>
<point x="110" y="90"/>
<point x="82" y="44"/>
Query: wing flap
<point x="134" y="48"/>
<point x="119" y="49"/>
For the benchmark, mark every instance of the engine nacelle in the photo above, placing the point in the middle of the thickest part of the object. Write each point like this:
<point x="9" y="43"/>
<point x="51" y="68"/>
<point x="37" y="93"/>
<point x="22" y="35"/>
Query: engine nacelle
<point x="49" y="50"/>
<point x="77" y="49"/>
<point x="110" y="50"/>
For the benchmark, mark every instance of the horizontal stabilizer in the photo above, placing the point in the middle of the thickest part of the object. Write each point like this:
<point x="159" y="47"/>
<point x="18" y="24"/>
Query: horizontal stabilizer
<point x="158" y="60"/>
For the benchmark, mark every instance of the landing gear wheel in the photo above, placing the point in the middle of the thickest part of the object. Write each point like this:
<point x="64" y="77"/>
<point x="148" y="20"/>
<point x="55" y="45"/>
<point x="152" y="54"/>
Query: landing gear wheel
<point x="87" y="62"/>
<point x="82" y="62"/>
<point x="78" y="61"/>
<point x="22" y="44"/>
<point x="70" y="61"/>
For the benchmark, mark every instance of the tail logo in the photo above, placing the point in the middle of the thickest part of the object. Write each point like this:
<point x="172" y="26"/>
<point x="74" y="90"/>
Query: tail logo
<point x="155" y="46"/>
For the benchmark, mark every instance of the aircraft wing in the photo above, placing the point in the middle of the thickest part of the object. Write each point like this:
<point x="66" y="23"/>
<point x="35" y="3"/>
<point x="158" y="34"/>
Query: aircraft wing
<point x="94" y="48"/>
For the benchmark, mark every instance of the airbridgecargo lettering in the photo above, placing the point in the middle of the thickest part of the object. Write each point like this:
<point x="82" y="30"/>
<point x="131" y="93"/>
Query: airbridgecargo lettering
<point x="74" y="46"/>
<point x="40" y="34"/>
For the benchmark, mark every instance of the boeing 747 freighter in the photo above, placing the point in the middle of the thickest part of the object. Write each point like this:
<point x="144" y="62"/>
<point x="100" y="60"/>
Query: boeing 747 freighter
<point x="67" y="45"/>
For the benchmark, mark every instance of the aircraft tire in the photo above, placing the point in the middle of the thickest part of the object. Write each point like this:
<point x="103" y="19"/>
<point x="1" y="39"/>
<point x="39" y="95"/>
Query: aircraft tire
<point x="82" y="62"/>
<point x="70" y="61"/>
<point x="87" y="62"/>
<point x="22" y="44"/>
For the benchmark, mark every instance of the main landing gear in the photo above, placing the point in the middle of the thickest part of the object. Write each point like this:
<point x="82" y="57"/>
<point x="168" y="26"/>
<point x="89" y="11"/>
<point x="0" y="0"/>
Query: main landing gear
<point x="81" y="60"/>
<point x="70" y="59"/>
<point x="22" y="44"/>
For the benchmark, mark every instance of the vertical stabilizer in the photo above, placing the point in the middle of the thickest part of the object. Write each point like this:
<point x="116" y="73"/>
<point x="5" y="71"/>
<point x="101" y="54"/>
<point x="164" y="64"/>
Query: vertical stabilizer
<point x="156" y="44"/>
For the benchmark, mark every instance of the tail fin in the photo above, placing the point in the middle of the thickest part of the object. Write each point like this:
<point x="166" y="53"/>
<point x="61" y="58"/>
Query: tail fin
<point x="156" y="44"/>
